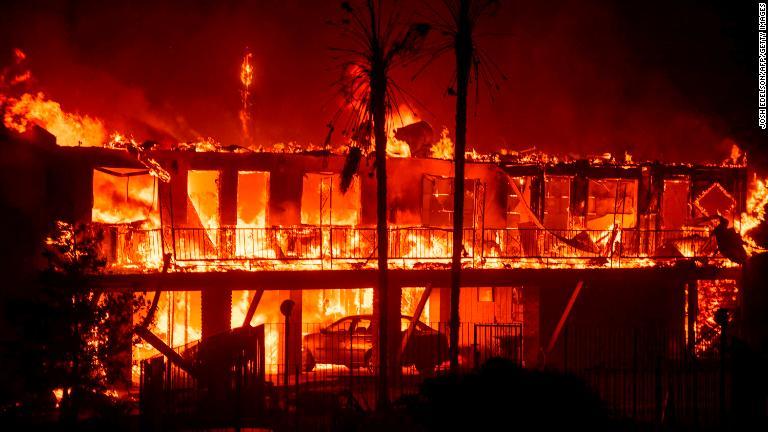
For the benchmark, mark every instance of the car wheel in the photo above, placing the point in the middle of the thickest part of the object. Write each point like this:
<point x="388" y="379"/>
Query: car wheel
<point x="308" y="361"/>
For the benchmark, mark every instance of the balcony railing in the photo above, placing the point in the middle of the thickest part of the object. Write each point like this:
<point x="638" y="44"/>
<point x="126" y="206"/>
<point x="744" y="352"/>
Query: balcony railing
<point x="408" y="246"/>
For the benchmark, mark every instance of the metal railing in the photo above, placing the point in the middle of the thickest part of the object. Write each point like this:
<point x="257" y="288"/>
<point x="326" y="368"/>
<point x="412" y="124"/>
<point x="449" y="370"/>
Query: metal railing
<point x="125" y="246"/>
<point x="648" y="374"/>
<point x="644" y="374"/>
<point x="498" y="341"/>
<point x="230" y="243"/>
<point x="221" y="384"/>
<point x="329" y="362"/>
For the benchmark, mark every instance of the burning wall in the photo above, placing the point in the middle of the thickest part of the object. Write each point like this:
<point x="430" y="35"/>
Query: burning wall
<point x="676" y="207"/>
<point x="124" y="196"/>
<point x="414" y="182"/>
<point x="252" y="198"/>
<point x="291" y="200"/>
<point x="324" y="203"/>
<point x="611" y="203"/>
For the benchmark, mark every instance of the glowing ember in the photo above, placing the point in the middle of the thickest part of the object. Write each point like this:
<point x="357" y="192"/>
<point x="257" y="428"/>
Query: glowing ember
<point x="58" y="394"/>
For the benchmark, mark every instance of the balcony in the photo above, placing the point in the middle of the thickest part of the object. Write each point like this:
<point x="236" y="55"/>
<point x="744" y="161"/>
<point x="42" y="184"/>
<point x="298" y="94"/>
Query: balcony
<point x="128" y="249"/>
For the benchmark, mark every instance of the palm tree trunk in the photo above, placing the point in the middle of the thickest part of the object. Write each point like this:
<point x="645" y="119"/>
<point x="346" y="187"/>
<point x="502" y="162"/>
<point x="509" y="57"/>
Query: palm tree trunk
<point x="378" y="87"/>
<point x="463" y="51"/>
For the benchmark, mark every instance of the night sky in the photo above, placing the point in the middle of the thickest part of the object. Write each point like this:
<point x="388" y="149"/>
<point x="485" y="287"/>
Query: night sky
<point x="667" y="82"/>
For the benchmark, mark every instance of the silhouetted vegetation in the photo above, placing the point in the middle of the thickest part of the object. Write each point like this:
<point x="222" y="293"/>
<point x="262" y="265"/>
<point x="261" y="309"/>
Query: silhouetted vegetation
<point x="503" y="396"/>
<point x="72" y="354"/>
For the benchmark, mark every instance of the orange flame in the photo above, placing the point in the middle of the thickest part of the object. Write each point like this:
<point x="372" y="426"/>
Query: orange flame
<point x="755" y="214"/>
<point x="69" y="129"/>
<point x="246" y="79"/>
<point x="122" y="200"/>
<point x="396" y="147"/>
<point x="443" y="148"/>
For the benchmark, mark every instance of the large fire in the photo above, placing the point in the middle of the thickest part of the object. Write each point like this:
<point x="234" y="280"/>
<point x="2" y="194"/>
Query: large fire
<point x="755" y="214"/>
<point x="330" y="234"/>
<point x="22" y="109"/>
<point x="322" y="203"/>
<point x="69" y="129"/>
<point x="124" y="196"/>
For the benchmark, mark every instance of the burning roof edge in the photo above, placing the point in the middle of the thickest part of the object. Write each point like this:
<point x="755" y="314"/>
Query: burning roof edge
<point x="519" y="164"/>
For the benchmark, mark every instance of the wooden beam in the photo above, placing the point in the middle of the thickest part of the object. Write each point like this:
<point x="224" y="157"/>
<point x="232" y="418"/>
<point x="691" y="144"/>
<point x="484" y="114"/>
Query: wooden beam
<point x="353" y="279"/>
<point x="564" y="316"/>
<point x="164" y="349"/>
<point x="156" y="299"/>
<point x="526" y="207"/>
<point x="416" y="316"/>
<point x="151" y="312"/>
<point x="693" y="312"/>
<point x="252" y="306"/>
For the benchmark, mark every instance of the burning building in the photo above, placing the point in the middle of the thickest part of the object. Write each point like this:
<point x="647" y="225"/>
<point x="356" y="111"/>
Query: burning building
<point x="257" y="265"/>
<point x="225" y="236"/>
<point x="230" y="226"/>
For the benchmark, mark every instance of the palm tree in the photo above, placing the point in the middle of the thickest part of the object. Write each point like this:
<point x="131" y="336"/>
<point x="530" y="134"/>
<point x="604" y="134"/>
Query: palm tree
<point x="463" y="50"/>
<point x="366" y="82"/>
<point x="471" y="64"/>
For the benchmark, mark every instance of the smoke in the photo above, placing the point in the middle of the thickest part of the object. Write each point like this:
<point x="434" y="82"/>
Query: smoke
<point x="581" y="79"/>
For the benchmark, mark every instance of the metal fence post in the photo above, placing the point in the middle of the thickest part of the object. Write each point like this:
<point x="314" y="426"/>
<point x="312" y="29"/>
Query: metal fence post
<point x="285" y="308"/>
<point x="565" y="350"/>
<point x="721" y="317"/>
<point x="634" y="374"/>
<point x="659" y="395"/>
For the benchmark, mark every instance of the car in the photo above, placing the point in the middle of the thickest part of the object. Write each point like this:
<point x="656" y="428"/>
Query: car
<point x="349" y="342"/>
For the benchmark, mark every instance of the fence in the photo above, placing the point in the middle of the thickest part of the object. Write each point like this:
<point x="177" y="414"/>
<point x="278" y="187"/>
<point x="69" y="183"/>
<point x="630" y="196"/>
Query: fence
<point x="216" y="383"/>
<point x="335" y="361"/>
<point x="648" y="375"/>
<point x="498" y="340"/>
<point x="408" y="246"/>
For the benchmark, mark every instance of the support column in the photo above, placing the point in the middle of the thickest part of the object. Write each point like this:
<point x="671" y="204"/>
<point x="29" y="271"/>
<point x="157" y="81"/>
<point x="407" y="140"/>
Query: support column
<point x="227" y="212"/>
<point x="172" y="198"/>
<point x="174" y="195"/>
<point x="394" y="334"/>
<point x="293" y="362"/>
<point x="693" y="312"/>
<point x="440" y="309"/>
<point x="216" y="303"/>
<point x="531" y="327"/>
<point x="443" y="307"/>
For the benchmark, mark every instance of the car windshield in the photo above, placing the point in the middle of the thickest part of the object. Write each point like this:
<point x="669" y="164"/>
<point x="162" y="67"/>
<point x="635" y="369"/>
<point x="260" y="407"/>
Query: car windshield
<point x="342" y="325"/>
<point x="363" y="326"/>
